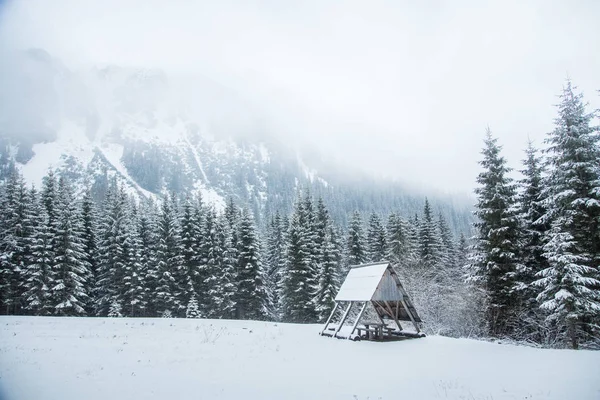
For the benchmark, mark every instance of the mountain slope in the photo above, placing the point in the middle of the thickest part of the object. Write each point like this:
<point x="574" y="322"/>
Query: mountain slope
<point x="135" y="126"/>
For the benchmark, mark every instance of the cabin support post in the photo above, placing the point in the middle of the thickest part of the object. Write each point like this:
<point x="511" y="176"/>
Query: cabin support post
<point x="362" y="310"/>
<point x="377" y="312"/>
<point x="343" y="319"/>
<point x="393" y="315"/>
<point x="412" y="319"/>
<point x="330" y="317"/>
<point x="396" y="315"/>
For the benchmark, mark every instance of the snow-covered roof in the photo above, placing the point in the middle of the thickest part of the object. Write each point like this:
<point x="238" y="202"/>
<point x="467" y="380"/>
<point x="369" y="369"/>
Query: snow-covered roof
<point x="361" y="282"/>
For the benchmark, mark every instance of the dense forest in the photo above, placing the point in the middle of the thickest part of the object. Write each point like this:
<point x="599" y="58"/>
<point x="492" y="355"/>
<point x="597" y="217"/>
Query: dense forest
<point x="531" y="272"/>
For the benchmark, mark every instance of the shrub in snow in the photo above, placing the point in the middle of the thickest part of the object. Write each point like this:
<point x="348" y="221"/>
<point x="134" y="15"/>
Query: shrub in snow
<point x="192" y="308"/>
<point x="115" y="310"/>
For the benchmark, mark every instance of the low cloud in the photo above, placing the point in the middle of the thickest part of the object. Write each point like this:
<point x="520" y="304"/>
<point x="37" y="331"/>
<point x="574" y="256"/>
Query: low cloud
<point x="401" y="89"/>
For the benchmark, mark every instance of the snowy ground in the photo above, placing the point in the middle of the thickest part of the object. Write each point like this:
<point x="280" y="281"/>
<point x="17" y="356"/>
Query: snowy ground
<point x="93" y="358"/>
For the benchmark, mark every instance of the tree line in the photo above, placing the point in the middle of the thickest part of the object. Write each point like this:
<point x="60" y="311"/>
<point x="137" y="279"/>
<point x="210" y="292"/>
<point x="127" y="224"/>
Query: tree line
<point x="536" y="254"/>
<point x="530" y="273"/>
<point x="64" y="254"/>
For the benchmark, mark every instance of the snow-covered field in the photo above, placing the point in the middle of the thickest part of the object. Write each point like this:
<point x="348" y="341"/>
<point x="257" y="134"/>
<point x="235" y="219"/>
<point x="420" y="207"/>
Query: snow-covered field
<point x="96" y="358"/>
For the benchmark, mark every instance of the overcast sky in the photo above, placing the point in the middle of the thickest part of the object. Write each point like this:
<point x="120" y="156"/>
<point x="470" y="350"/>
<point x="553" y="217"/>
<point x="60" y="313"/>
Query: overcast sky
<point x="401" y="88"/>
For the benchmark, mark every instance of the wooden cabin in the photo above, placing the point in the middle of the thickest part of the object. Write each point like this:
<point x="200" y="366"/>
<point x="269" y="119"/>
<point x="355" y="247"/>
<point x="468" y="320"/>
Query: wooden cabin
<point x="376" y="285"/>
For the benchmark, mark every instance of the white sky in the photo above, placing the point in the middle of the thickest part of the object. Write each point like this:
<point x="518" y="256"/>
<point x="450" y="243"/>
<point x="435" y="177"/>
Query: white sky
<point x="401" y="88"/>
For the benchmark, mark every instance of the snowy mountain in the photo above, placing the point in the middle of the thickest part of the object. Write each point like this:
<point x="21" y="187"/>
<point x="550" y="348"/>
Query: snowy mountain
<point x="135" y="126"/>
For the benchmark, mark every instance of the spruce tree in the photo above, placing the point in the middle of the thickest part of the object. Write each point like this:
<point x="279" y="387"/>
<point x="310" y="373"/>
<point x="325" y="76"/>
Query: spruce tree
<point x="251" y="294"/>
<point x="570" y="283"/>
<point x="531" y="210"/>
<point x="90" y="241"/>
<point x="147" y="230"/>
<point x="37" y="277"/>
<point x="133" y="296"/>
<point x="70" y="269"/>
<point x="356" y="253"/>
<point x="14" y="242"/>
<point x="495" y="259"/>
<point x="191" y="243"/>
<point x="297" y="291"/>
<point x="275" y="262"/>
<point x="401" y="247"/>
<point x="376" y="239"/>
<point x="192" y="307"/>
<point x="448" y="250"/>
<point x="329" y="279"/>
<point x="169" y="261"/>
<point x="112" y="257"/>
<point x="430" y="242"/>
<point x="214" y="261"/>
<point x="227" y="273"/>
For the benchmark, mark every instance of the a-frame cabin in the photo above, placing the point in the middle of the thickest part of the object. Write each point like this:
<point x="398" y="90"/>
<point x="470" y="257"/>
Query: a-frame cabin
<point x="376" y="284"/>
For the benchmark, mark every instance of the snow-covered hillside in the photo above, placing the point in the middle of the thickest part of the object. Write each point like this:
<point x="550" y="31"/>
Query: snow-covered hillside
<point x="96" y="358"/>
<point x="154" y="136"/>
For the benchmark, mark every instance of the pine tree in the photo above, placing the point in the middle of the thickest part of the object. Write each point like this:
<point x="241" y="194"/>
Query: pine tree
<point x="297" y="291"/>
<point x="355" y="243"/>
<point x="531" y="212"/>
<point x="192" y="307"/>
<point x="214" y="261"/>
<point x="13" y="241"/>
<point x="495" y="259"/>
<point x="147" y="233"/>
<point x="68" y="291"/>
<point x="133" y="297"/>
<point x="430" y="242"/>
<point x="112" y="257"/>
<point x="448" y="251"/>
<point x="328" y="283"/>
<point x="401" y="249"/>
<point x="570" y="283"/>
<point x="191" y="244"/>
<point x="114" y="311"/>
<point x="227" y="273"/>
<point x="376" y="239"/>
<point x="169" y="260"/>
<point x="275" y="263"/>
<point x="37" y="277"/>
<point x="90" y="241"/>
<point x="251" y="294"/>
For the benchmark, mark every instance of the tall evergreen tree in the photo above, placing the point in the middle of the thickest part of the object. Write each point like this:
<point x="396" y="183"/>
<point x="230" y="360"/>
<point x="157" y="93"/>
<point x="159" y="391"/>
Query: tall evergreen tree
<point x="448" y="250"/>
<point x="68" y="291"/>
<point x="37" y="277"/>
<point x="275" y="262"/>
<point x="355" y="244"/>
<point x="430" y="242"/>
<point x="251" y="294"/>
<point x="90" y="242"/>
<point x="226" y="284"/>
<point x="133" y="296"/>
<point x="376" y="239"/>
<point x="112" y="257"/>
<point x="570" y="284"/>
<point x="495" y="259"/>
<point x="169" y="261"/>
<point x="297" y="286"/>
<point x="329" y="279"/>
<point x="147" y="229"/>
<point x="531" y="210"/>
<point x="14" y="242"/>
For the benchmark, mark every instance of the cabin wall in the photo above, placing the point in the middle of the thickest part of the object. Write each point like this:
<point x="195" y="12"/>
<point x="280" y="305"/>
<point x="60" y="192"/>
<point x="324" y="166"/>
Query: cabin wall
<point x="387" y="289"/>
